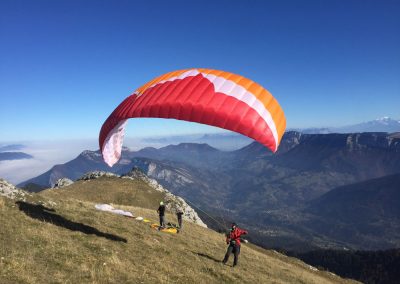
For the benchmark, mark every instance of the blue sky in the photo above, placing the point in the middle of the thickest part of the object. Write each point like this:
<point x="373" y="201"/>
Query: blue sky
<point x="65" y="65"/>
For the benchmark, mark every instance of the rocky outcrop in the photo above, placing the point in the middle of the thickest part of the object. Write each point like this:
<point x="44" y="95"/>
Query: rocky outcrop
<point x="63" y="182"/>
<point x="173" y="176"/>
<point x="97" y="174"/>
<point x="9" y="190"/>
<point x="360" y="141"/>
<point x="91" y="155"/>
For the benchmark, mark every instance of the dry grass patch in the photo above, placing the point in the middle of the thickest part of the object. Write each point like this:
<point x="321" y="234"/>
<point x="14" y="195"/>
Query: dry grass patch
<point x="2" y="203"/>
<point x="110" y="190"/>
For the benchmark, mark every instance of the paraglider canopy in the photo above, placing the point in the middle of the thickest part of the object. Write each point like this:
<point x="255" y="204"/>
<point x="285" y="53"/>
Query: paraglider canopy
<point x="207" y="96"/>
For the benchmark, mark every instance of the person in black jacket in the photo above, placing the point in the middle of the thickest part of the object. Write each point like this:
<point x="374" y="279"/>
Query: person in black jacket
<point x="161" y="213"/>
<point x="179" y="214"/>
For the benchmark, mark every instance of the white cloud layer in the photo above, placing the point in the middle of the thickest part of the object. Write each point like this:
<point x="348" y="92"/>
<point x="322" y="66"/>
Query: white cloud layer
<point x="45" y="155"/>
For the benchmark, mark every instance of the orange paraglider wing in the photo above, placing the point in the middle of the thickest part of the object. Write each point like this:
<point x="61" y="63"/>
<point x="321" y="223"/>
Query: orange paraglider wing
<point x="205" y="96"/>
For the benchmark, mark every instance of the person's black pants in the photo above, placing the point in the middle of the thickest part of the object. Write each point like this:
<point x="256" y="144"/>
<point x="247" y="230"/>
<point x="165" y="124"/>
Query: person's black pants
<point x="162" y="221"/>
<point x="236" y="250"/>
<point x="180" y="223"/>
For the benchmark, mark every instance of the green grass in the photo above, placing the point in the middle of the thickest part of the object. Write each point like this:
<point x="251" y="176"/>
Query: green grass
<point x="68" y="241"/>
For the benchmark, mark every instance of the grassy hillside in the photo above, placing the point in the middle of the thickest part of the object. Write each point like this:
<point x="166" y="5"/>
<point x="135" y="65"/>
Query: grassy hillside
<point x="59" y="237"/>
<point x="111" y="190"/>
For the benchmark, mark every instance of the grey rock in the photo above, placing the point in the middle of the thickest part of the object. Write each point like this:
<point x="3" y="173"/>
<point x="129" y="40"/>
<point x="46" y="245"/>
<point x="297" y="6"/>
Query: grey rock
<point x="10" y="191"/>
<point x="63" y="182"/>
<point x="97" y="174"/>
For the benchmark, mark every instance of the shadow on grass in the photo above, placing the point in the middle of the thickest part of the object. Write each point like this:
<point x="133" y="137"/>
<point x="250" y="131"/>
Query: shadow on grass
<point x="207" y="256"/>
<point x="44" y="214"/>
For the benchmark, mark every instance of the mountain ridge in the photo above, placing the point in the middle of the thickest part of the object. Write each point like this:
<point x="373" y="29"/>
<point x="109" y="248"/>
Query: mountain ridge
<point x="383" y="124"/>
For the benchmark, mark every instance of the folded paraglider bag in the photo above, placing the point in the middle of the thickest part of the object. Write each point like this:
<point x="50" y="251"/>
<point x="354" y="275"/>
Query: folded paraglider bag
<point x="169" y="230"/>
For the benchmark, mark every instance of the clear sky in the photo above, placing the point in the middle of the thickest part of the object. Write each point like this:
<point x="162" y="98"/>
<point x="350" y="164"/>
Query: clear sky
<point x="65" y="65"/>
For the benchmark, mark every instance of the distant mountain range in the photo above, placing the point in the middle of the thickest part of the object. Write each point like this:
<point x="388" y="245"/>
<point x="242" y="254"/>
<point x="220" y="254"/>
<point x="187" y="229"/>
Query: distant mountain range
<point x="223" y="141"/>
<point x="10" y="152"/>
<point x="277" y="196"/>
<point x="4" y="156"/>
<point x="384" y="124"/>
<point x="232" y="141"/>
